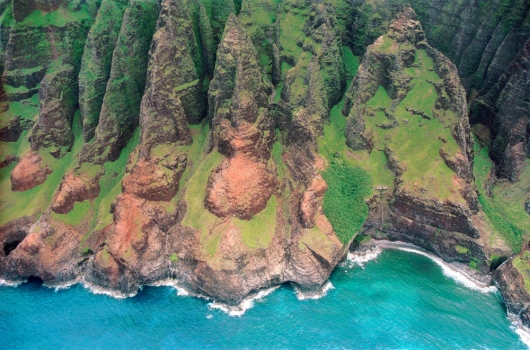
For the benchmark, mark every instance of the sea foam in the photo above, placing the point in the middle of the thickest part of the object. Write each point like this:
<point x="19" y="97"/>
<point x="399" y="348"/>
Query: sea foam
<point x="173" y="283"/>
<point x="103" y="291"/>
<point x="449" y="270"/>
<point x="247" y="303"/>
<point x="10" y="283"/>
<point x="314" y="295"/>
<point x="522" y="331"/>
<point x="361" y="257"/>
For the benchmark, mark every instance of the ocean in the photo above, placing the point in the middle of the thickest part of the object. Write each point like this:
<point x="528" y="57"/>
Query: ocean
<point x="398" y="300"/>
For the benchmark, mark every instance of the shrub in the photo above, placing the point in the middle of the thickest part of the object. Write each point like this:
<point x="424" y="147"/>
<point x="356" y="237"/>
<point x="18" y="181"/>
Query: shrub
<point x="344" y="200"/>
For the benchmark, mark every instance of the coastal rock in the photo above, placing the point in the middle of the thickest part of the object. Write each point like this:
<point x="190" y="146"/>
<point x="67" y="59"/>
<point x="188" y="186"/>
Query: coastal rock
<point x="48" y="249"/>
<point x="415" y="210"/>
<point x="204" y="137"/>
<point x="513" y="286"/>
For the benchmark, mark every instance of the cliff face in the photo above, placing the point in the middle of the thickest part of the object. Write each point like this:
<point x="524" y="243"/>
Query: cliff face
<point x="144" y="140"/>
<point x="487" y="41"/>
<point x="407" y="90"/>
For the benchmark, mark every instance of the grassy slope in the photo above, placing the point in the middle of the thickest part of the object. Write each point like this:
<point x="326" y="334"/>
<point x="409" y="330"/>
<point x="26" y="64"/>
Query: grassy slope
<point x="348" y="183"/>
<point x="505" y="209"/>
<point x="416" y="143"/>
<point x="36" y="200"/>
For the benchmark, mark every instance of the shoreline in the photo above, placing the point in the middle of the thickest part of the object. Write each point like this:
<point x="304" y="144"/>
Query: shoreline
<point x="367" y="252"/>
<point x="459" y="272"/>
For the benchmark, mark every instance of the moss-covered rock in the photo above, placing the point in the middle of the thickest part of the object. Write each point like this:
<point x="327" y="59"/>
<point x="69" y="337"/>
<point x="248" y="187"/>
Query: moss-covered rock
<point x="97" y="62"/>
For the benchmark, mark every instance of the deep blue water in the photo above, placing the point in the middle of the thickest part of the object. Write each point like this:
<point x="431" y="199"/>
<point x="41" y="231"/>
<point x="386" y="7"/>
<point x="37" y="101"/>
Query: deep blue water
<point x="400" y="300"/>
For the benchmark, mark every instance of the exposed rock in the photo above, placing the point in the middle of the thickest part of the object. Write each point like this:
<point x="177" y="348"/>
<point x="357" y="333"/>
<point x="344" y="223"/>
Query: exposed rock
<point x="29" y="172"/>
<point x="49" y="249"/>
<point x="22" y="8"/>
<point x="512" y="285"/>
<point x="120" y="110"/>
<point x="57" y="96"/>
<point x="506" y="107"/>
<point x="311" y="200"/>
<point x="121" y="104"/>
<point x="74" y="189"/>
<point x="133" y="253"/>
<point x="175" y="62"/>
<point x="243" y="183"/>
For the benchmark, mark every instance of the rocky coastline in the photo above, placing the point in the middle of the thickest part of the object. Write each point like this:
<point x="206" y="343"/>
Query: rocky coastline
<point x="179" y="140"/>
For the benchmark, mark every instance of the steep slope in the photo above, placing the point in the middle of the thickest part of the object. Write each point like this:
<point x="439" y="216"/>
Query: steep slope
<point x="145" y="140"/>
<point x="406" y="102"/>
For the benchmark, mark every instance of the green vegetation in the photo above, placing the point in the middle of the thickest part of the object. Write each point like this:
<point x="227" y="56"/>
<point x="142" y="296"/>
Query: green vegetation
<point x="75" y="216"/>
<point x="522" y="264"/>
<point x="361" y="239"/>
<point x="174" y="258"/>
<point x="333" y="145"/>
<point x="344" y="200"/>
<point x="36" y="200"/>
<point x="277" y="153"/>
<point x="351" y="63"/>
<point x="400" y="133"/>
<point x="505" y="209"/>
<point x="259" y="231"/>
<point x="461" y="250"/>
<point x="110" y="183"/>
<point x="59" y="18"/>
<point x="197" y="216"/>
<point x="474" y="263"/>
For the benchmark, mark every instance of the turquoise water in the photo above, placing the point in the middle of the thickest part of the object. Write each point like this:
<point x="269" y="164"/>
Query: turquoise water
<point x="399" y="300"/>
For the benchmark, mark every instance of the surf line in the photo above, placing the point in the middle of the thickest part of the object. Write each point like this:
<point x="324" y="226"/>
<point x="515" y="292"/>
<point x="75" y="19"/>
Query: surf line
<point x="458" y="274"/>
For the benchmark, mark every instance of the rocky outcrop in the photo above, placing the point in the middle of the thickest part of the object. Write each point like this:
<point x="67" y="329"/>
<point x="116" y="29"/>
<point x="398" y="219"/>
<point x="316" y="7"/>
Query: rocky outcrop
<point x="417" y="211"/>
<point x="486" y="43"/>
<point x="120" y="110"/>
<point x="57" y="96"/>
<point x="175" y="62"/>
<point x="121" y="104"/>
<point x="29" y="172"/>
<point x="505" y="108"/>
<point x="48" y="249"/>
<point x="513" y="284"/>
<point x="225" y="190"/>
<point x="243" y="182"/>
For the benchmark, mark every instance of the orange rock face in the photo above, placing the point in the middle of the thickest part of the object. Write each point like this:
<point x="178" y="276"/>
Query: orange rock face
<point x="243" y="183"/>
<point x="74" y="189"/>
<point x="240" y="187"/>
<point x="155" y="180"/>
<point x="29" y="172"/>
<point x="312" y="201"/>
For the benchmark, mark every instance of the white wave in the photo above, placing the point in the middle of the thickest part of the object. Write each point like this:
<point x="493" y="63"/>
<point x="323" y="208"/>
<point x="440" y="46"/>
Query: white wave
<point x="103" y="291"/>
<point x="524" y="334"/>
<point x="62" y="286"/>
<point x="173" y="283"/>
<point x="518" y="327"/>
<point x="458" y="275"/>
<point x="314" y="295"/>
<point x="247" y="303"/>
<point x="361" y="257"/>
<point x="10" y="283"/>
